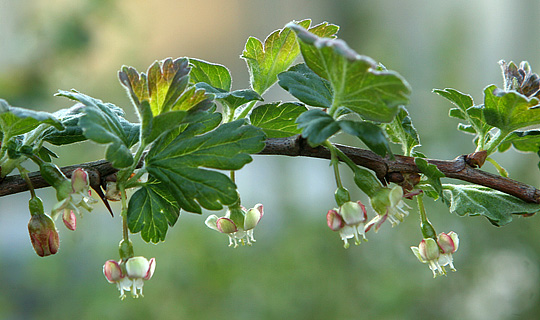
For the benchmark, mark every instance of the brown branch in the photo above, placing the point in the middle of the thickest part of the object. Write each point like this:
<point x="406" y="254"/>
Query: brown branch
<point x="385" y="169"/>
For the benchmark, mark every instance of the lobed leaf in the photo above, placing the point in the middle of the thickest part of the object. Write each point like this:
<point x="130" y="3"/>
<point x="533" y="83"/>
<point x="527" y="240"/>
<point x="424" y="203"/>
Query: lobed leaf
<point x="509" y="111"/>
<point x="356" y="81"/>
<point x="280" y="49"/>
<point x="231" y="99"/>
<point x="15" y="121"/>
<point x="178" y="162"/>
<point x="278" y="120"/>
<point x="101" y="123"/>
<point x="474" y="200"/>
<point x="151" y="210"/>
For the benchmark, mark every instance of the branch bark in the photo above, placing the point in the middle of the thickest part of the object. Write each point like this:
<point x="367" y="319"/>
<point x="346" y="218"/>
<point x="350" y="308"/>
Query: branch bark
<point x="385" y="169"/>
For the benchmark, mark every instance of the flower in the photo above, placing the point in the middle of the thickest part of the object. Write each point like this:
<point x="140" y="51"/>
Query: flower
<point x="238" y="224"/>
<point x="449" y="244"/>
<point x="438" y="253"/>
<point x="349" y="221"/>
<point x="389" y="205"/>
<point x="77" y="198"/>
<point x="43" y="235"/>
<point x="129" y="276"/>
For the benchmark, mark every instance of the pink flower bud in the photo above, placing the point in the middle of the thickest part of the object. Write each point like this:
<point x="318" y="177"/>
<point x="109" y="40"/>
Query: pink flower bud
<point x="446" y="243"/>
<point x="112" y="271"/>
<point x="79" y="180"/>
<point x="43" y="235"/>
<point x="70" y="220"/>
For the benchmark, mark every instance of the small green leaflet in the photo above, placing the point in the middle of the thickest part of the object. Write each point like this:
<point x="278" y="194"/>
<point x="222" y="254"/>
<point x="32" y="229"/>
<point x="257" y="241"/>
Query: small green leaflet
<point x="278" y="120"/>
<point x="433" y="175"/>
<point x="402" y="131"/>
<point x="280" y="49"/>
<point x="215" y="75"/>
<point x="101" y="123"/>
<point x="509" y="111"/>
<point x="178" y="163"/>
<point x="496" y="206"/>
<point x="318" y="126"/>
<point x="151" y="211"/>
<point x="372" y="135"/>
<point x="526" y="141"/>
<point x="15" y="121"/>
<point x="307" y="86"/>
<point x="356" y="81"/>
<point x="231" y="99"/>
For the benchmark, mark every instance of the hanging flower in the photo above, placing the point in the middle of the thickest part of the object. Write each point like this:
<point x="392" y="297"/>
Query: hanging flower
<point x="389" y="205"/>
<point x="79" y="197"/>
<point x="129" y="276"/>
<point x="438" y="253"/>
<point x="349" y="220"/>
<point x="238" y="224"/>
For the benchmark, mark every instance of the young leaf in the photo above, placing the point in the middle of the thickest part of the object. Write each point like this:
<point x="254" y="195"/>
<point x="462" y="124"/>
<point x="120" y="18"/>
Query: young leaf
<point x="102" y="124"/>
<point x="232" y="99"/>
<point x="474" y="200"/>
<point x="278" y="120"/>
<point x="164" y="86"/>
<point x="178" y="165"/>
<point x="526" y="141"/>
<point x="151" y="211"/>
<point x="307" y="86"/>
<point x="317" y="126"/>
<point x="371" y="134"/>
<point x="15" y="121"/>
<point x="266" y="61"/>
<point x="356" y="81"/>
<point x="509" y="111"/>
<point x="433" y="175"/>
<point x="402" y="131"/>
<point x="215" y="75"/>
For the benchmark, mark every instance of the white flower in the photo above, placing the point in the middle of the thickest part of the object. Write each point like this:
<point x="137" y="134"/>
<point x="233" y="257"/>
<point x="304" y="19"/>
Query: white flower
<point x="238" y="224"/>
<point x="389" y="205"/>
<point x="349" y="221"/>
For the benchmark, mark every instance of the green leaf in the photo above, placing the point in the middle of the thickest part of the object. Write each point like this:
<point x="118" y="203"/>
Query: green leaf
<point x="215" y="75"/>
<point x="15" y="121"/>
<point x="509" y="111"/>
<point x="372" y="135"/>
<point x="280" y="49"/>
<point x="102" y="124"/>
<point x="70" y="120"/>
<point x="356" y="81"/>
<point x="317" y="126"/>
<point x="278" y="120"/>
<point x="179" y="164"/>
<point x="307" y="86"/>
<point x="232" y="99"/>
<point x="433" y="175"/>
<point x="402" y="131"/>
<point x="474" y="200"/>
<point x="151" y="211"/>
<point x="526" y="141"/>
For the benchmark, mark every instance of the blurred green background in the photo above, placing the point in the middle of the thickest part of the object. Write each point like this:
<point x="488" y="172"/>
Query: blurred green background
<point x="298" y="268"/>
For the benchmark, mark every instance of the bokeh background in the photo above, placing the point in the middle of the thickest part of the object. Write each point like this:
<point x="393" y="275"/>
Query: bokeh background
<point x="298" y="268"/>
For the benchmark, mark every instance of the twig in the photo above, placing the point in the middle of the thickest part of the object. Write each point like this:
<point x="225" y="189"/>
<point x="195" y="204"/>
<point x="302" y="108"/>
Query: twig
<point x="385" y="169"/>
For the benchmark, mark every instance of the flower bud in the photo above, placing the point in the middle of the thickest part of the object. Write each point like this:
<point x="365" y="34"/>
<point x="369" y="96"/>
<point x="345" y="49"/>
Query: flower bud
<point x="70" y="220"/>
<point x="429" y="250"/>
<point x="353" y="212"/>
<point x="112" y="271"/>
<point x="446" y="242"/>
<point x="43" y="235"/>
<point x="79" y="180"/>
<point x="253" y="216"/>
